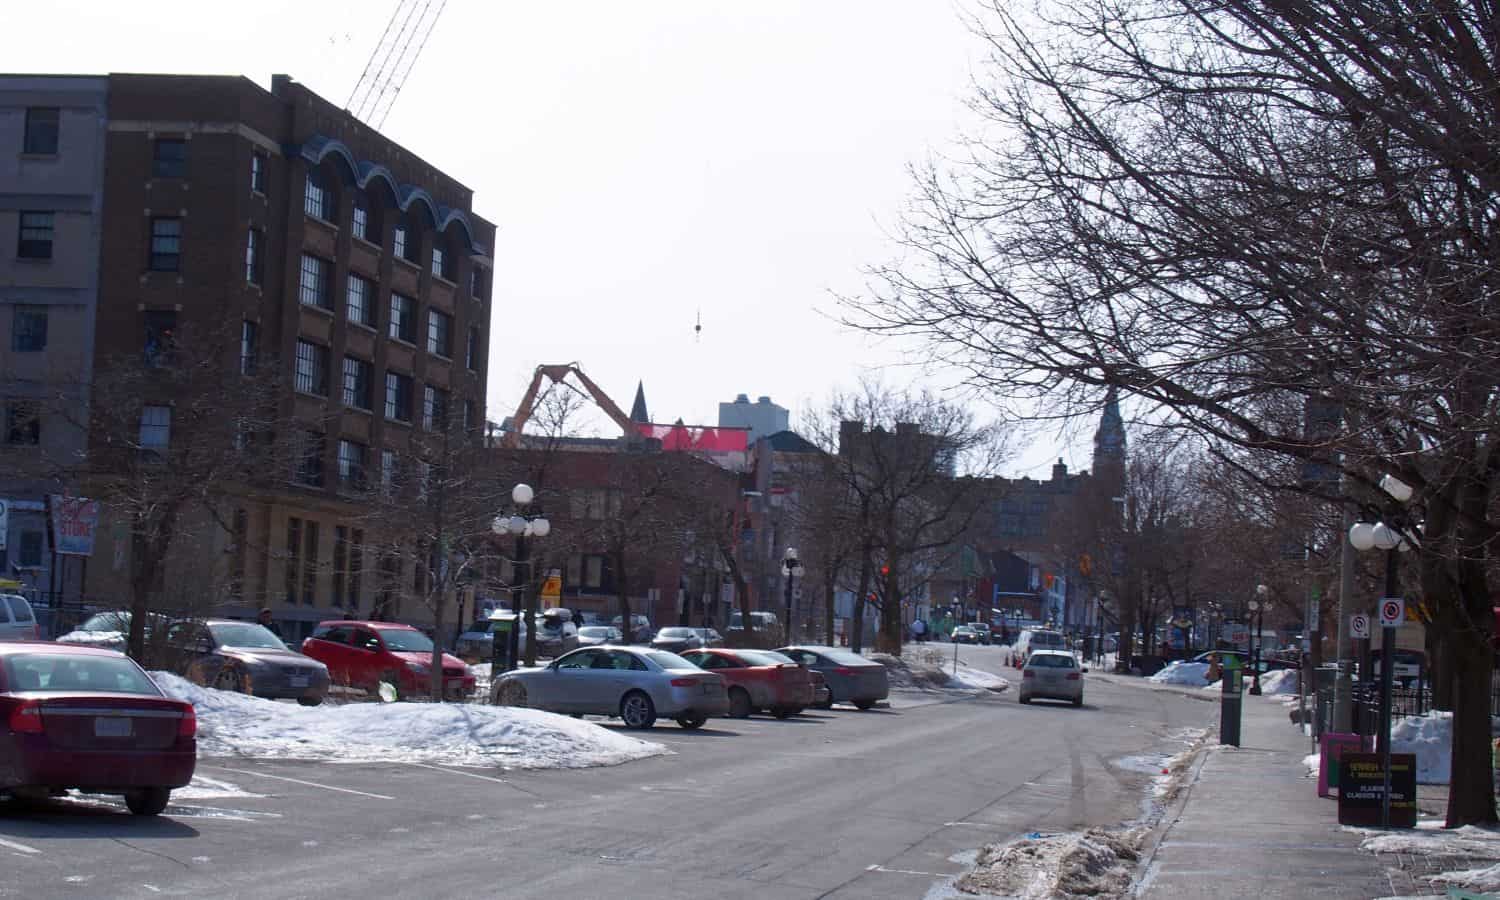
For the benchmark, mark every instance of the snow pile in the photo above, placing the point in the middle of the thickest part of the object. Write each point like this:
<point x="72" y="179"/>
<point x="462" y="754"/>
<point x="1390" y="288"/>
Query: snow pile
<point x="970" y="679"/>
<point x="1279" y="681"/>
<point x="1313" y="761"/>
<point x="1430" y="839"/>
<point x="1430" y="737"/>
<point x="924" y="668"/>
<point x="231" y="724"/>
<point x="1040" y="867"/>
<point x="1486" y="879"/>
<point x="1179" y="672"/>
<point x="109" y="640"/>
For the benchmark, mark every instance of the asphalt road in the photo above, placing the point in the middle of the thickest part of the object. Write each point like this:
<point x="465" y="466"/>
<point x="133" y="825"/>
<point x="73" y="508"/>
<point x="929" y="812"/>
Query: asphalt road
<point x="847" y="804"/>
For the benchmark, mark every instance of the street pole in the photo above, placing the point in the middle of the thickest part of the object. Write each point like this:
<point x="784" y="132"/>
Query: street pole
<point x="788" y="603"/>
<point x="1260" y="640"/>
<point x="1387" y="672"/>
<point x="518" y="592"/>
<point x="1341" y="683"/>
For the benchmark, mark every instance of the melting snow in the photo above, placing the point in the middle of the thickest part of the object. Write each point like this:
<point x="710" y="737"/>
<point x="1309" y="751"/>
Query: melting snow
<point x="1179" y="672"/>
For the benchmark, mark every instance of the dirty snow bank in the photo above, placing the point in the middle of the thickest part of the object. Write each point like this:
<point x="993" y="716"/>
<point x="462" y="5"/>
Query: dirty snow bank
<point x="925" y="668"/>
<point x="1040" y="867"/>
<point x="1179" y="672"/>
<point x="231" y="724"/>
<point x="1431" y="839"/>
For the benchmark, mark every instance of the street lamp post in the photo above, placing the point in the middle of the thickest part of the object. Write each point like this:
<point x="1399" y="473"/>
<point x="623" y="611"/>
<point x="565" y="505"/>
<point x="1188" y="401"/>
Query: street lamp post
<point x="521" y="527"/>
<point x="793" y="568"/>
<point x="1258" y="607"/>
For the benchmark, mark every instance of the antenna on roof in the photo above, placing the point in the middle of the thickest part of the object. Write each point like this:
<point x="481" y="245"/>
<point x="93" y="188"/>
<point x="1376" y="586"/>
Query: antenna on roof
<point x="698" y="327"/>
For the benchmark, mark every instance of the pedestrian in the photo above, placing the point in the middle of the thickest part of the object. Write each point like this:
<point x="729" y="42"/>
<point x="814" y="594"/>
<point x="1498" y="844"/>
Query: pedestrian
<point x="919" y="629"/>
<point x="267" y="622"/>
<point x="577" y="618"/>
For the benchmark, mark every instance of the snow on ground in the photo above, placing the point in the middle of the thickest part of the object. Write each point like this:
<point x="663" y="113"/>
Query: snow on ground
<point x="1041" y="867"/>
<point x="1486" y="879"/>
<point x="231" y="724"/>
<point x="1179" y="672"/>
<point x="924" y="668"/>
<point x="971" y="679"/>
<point x="110" y="640"/>
<point x="1313" y="761"/>
<point x="204" y="788"/>
<point x="1430" y="737"/>
<point x="1431" y="839"/>
<point x="1277" y="683"/>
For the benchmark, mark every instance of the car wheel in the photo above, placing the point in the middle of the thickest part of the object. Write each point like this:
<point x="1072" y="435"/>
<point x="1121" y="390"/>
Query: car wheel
<point x="864" y="704"/>
<point x="148" y="801"/>
<point x="1078" y="701"/>
<point x="827" y="704"/>
<point x="310" y="701"/>
<point x="511" y="693"/>
<point x="692" y="722"/>
<point x="1025" y="699"/>
<point x="739" y="703"/>
<point x="783" y="712"/>
<point x="637" y="710"/>
<point x="229" y="679"/>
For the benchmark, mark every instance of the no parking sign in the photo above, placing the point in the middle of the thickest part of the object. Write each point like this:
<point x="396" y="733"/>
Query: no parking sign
<point x="1392" y="611"/>
<point x="1359" y="626"/>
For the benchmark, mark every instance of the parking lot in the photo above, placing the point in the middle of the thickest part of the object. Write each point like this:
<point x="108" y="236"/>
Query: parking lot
<point x="835" y="803"/>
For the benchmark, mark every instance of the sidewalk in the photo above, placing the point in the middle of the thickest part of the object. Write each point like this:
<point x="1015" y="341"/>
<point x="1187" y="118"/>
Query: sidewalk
<point x="1252" y="825"/>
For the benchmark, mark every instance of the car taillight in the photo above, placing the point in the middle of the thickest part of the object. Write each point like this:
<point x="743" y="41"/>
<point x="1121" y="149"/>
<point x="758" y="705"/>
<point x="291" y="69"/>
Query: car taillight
<point x="1029" y="673"/>
<point x="26" y="718"/>
<point x="684" y="682"/>
<point x="36" y="632"/>
<point x="187" y="726"/>
<point x="1074" y="676"/>
<point x="843" y="670"/>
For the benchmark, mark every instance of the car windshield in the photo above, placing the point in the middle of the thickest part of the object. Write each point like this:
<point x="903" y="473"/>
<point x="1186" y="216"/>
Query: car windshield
<point x="763" y="657"/>
<point x="668" y="660"/>
<point x="594" y="631"/>
<point x="68" y="672"/>
<point x="1050" y="661"/>
<point x="845" y="657"/>
<point x="1047" y="639"/>
<point x="405" y="640"/>
<point x="245" y="634"/>
<point x="675" y="633"/>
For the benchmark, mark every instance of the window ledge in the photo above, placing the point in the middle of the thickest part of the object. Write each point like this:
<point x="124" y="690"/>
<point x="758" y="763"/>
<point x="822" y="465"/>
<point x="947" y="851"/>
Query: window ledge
<point x="324" y="223"/>
<point x="33" y="260"/>
<point x="415" y="267"/>
<point x="368" y="244"/>
<point x="440" y="357"/>
<point x="321" y="310"/>
<point x="391" y="421"/>
<point x="403" y="342"/>
<point x="444" y="280"/>
<point x="363" y="327"/>
<point x="310" y="394"/>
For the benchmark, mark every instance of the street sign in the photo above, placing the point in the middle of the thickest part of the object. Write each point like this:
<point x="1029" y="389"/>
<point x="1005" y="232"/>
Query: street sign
<point x="552" y="591"/>
<point x="1392" y="611"/>
<point x="1362" y="789"/>
<point x="1359" y="626"/>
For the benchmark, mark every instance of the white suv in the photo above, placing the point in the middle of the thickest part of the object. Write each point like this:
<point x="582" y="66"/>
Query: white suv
<point x="17" y="623"/>
<point x="1036" y="639"/>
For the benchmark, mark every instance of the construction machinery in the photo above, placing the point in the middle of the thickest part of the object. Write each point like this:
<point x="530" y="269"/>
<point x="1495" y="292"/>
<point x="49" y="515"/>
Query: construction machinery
<point x="392" y="59"/>
<point x="558" y="374"/>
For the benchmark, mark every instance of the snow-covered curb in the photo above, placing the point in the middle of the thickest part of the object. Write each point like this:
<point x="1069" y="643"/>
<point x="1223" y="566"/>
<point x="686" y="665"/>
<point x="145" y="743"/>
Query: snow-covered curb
<point x="231" y="724"/>
<point x="1431" y="839"/>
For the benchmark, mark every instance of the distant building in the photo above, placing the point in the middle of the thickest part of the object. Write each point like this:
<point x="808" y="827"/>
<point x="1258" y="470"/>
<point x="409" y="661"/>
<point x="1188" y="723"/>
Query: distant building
<point x="763" y="418"/>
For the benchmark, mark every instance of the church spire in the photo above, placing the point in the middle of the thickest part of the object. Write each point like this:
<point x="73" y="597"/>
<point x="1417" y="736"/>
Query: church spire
<point x="638" y="408"/>
<point x="1109" y="438"/>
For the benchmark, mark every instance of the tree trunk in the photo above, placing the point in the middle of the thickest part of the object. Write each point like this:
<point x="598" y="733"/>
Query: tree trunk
<point x="890" y="613"/>
<point x="623" y="593"/>
<point x="1438" y="647"/>
<point x="1471" y="793"/>
<point x="857" y="624"/>
<point x="435" y="673"/>
<point x="830" y="583"/>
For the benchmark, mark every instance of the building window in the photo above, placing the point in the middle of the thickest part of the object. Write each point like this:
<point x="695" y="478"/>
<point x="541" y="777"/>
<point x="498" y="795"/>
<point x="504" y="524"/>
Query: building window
<point x="249" y="347"/>
<point x="258" y="172"/>
<point x="398" y="397"/>
<point x="400" y="240"/>
<point x="403" y="318"/>
<point x="160" y="346"/>
<point x="23" y="423"/>
<point x="340" y="560"/>
<point x="166" y="244"/>
<point x="254" y="238"/>
<point x="424" y="479"/>
<point x="471" y="351"/>
<point x="309" y="470"/>
<point x="315" y="196"/>
<point x="156" y="428"/>
<point x="170" y="158"/>
<point x="439" y="333"/>
<point x="313" y="282"/>
<point x="312" y="368"/>
<point x="358" y="383"/>
<point x="442" y="261"/>
<point x="41" y="131"/>
<point x="476" y="283"/>
<point x="361" y="300"/>
<point x="36" y="236"/>
<point x="359" y="221"/>
<point x="390" y="472"/>
<point x="293" y="557"/>
<point x="352" y="463"/>
<point x="28" y="329"/>
<point x="434" y="408"/>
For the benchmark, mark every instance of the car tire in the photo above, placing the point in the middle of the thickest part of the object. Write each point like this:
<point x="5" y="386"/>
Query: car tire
<point x="826" y="704"/>
<point x="148" y="801"/>
<point x="739" y="703"/>
<point x="230" y="679"/>
<point x="692" y="723"/>
<point x="1078" y="701"/>
<point x="637" y="710"/>
<point x="784" y="712"/>
<point x="864" y="704"/>
<point x="511" y="693"/>
<point x="310" y="701"/>
<point x="1024" y="699"/>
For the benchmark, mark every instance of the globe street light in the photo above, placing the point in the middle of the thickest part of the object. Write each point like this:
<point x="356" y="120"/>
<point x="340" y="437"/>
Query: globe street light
<point x="520" y="527"/>
<point x="1258" y="607"/>
<point x="793" y="568"/>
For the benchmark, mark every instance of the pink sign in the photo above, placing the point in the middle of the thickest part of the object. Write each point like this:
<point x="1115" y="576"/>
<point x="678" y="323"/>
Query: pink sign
<point x="1335" y="745"/>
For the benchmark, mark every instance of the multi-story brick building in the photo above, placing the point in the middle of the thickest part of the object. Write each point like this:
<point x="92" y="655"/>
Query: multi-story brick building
<point x="294" y="236"/>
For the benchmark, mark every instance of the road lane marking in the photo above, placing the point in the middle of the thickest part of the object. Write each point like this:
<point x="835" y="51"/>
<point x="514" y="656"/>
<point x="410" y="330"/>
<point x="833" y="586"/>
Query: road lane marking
<point x="880" y="868"/>
<point x="463" y="773"/>
<point x="976" y="825"/>
<point x="19" y="848"/>
<point x="326" y="787"/>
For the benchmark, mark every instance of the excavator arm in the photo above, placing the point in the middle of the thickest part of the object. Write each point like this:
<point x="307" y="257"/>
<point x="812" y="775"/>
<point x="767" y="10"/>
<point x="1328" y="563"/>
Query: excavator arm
<point x="558" y="374"/>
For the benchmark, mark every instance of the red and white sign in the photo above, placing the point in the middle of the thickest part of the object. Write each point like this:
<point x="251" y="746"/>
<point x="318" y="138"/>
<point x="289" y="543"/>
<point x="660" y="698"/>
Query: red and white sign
<point x="1392" y="611"/>
<point x="74" y="521"/>
<point x="1359" y="626"/>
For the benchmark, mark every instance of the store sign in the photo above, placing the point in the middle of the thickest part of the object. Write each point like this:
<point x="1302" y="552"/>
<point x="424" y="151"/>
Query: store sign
<point x="1362" y="786"/>
<point x="74" y="521"/>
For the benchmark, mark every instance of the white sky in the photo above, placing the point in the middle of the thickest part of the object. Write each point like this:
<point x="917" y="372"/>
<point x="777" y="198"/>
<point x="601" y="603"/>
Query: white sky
<point x="643" y="161"/>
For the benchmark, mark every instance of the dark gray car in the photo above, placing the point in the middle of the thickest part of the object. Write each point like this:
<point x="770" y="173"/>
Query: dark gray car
<point x="246" y="657"/>
<point x="851" y="678"/>
<point x="677" y="639"/>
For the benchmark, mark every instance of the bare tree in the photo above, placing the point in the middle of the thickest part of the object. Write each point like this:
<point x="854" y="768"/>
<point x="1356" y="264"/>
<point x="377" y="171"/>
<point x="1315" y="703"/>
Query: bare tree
<point x="1229" y="211"/>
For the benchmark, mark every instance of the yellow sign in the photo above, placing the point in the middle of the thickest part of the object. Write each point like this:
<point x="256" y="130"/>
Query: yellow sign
<point x="552" y="592"/>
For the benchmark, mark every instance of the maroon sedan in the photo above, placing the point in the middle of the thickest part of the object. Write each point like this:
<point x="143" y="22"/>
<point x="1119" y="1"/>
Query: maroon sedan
<point x="757" y="679"/>
<point x="89" y="718"/>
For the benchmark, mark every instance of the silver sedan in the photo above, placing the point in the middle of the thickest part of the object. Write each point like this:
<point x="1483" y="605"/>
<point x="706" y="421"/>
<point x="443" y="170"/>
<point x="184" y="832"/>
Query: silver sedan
<point x="1053" y="674"/>
<point x="634" y="683"/>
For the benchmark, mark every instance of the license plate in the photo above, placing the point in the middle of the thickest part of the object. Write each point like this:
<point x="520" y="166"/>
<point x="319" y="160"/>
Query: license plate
<point x="297" y="680"/>
<point x="117" y="727"/>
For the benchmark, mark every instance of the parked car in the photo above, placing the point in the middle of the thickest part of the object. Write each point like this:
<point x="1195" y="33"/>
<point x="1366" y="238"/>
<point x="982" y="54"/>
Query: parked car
<point x="111" y="630"/>
<point x="17" y="622"/>
<point x="595" y="635"/>
<point x="1053" y="674"/>
<point x="710" y="637"/>
<point x="364" y="654"/>
<point x="761" y="620"/>
<point x="851" y="678"/>
<point x="90" y="719"/>
<point x="641" y="631"/>
<point x="965" y="634"/>
<point x="634" y="683"/>
<point x="758" y="680"/>
<point x="556" y="634"/>
<point x="675" y="639"/>
<point x="1033" y="639"/>
<point x="1240" y="658"/>
<point x="245" y="657"/>
<point x="983" y="630"/>
<point x="476" y="643"/>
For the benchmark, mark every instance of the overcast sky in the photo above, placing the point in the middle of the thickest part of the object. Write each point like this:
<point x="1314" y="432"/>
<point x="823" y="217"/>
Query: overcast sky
<point x="645" y="162"/>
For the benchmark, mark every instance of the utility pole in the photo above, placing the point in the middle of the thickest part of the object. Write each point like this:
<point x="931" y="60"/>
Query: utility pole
<point x="1342" y="683"/>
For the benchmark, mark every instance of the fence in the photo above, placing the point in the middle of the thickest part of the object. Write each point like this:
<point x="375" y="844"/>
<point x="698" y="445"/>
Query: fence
<point x="1412" y="699"/>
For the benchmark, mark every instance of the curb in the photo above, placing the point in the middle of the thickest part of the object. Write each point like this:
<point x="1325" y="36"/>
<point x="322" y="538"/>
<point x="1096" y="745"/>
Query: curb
<point x="1145" y="872"/>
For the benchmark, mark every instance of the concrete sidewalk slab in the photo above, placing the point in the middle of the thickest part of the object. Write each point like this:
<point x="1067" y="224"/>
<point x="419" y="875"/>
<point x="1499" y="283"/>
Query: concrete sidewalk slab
<point x="1252" y="825"/>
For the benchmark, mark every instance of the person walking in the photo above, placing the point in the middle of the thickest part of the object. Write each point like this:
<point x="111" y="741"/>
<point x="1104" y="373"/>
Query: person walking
<point x="268" y="622"/>
<point x="919" y="630"/>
